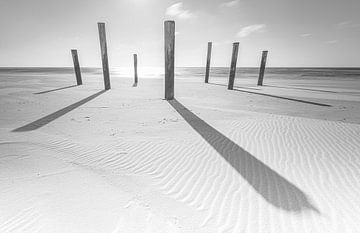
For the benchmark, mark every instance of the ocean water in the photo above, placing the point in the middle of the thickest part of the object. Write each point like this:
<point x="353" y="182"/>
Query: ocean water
<point x="197" y="72"/>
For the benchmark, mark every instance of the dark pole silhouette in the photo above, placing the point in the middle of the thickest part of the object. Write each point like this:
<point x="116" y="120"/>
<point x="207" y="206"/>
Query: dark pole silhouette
<point x="104" y="56"/>
<point x="169" y="30"/>
<point x="135" y="70"/>
<point x="262" y="68"/>
<point x="233" y="65"/>
<point x="208" y="62"/>
<point x="76" y="66"/>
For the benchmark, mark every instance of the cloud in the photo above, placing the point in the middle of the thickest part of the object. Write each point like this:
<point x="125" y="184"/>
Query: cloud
<point x="344" y="23"/>
<point x="246" y="31"/>
<point x="305" y="35"/>
<point x="230" y="3"/>
<point x="347" y="24"/>
<point x="176" y="10"/>
<point x="330" y="41"/>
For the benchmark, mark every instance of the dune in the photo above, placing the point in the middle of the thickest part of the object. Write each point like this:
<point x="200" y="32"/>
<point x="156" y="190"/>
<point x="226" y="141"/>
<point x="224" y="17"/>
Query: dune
<point x="260" y="159"/>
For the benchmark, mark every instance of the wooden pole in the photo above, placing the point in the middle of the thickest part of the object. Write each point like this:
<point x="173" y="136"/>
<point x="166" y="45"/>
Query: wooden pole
<point x="169" y="30"/>
<point x="104" y="56"/>
<point x="76" y="66"/>
<point x="233" y="65"/>
<point x="135" y="70"/>
<point x="262" y="68"/>
<point x="208" y="62"/>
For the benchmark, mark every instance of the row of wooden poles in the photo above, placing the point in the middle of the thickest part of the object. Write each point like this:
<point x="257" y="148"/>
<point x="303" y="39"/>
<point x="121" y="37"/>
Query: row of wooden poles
<point x="233" y="65"/>
<point x="104" y="59"/>
<point x="169" y="33"/>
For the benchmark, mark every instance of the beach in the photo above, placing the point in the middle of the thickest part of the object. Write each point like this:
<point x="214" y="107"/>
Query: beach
<point x="283" y="157"/>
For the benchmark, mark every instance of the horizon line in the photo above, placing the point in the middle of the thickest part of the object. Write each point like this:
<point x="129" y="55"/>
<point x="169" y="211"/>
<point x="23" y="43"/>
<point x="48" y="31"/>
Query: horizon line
<point x="93" y="67"/>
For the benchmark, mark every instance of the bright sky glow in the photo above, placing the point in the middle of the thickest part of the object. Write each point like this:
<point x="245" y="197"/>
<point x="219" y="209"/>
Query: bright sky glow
<point x="296" y="33"/>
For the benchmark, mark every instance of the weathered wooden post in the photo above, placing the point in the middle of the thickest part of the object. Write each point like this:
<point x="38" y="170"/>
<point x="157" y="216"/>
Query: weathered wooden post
<point x="233" y="65"/>
<point x="135" y="70"/>
<point x="104" y="56"/>
<point x="76" y="66"/>
<point x="262" y="68"/>
<point x="208" y="62"/>
<point x="169" y="30"/>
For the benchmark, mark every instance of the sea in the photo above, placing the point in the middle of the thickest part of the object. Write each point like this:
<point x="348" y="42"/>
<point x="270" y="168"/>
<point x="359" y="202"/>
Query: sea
<point x="293" y="73"/>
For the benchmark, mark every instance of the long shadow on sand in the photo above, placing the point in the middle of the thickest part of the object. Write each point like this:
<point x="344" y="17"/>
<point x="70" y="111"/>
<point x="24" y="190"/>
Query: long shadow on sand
<point x="53" y="116"/>
<point x="285" y="98"/>
<point x="300" y="88"/>
<point x="275" y="96"/>
<point x="57" y="89"/>
<point x="218" y="84"/>
<point x="275" y="189"/>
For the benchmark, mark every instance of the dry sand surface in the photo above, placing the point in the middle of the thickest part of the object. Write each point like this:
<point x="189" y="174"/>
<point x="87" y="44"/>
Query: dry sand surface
<point x="256" y="159"/>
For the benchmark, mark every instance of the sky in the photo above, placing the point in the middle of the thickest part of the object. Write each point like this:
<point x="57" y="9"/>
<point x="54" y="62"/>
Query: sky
<point x="306" y="33"/>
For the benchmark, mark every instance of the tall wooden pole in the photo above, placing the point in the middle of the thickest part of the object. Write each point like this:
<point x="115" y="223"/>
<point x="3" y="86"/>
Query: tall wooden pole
<point x="169" y="30"/>
<point x="262" y="68"/>
<point x="135" y="70"/>
<point x="104" y="56"/>
<point x="233" y="65"/>
<point x="208" y="62"/>
<point x="76" y="66"/>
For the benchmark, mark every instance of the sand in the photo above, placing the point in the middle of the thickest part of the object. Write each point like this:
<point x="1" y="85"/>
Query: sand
<point x="256" y="159"/>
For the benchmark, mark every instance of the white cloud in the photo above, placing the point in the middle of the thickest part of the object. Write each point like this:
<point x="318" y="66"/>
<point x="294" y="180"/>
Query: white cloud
<point x="177" y="10"/>
<point x="246" y="31"/>
<point x="344" y="24"/>
<point x="330" y="41"/>
<point x="305" y="35"/>
<point x="347" y="24"/>
<point x="230" y="3"/>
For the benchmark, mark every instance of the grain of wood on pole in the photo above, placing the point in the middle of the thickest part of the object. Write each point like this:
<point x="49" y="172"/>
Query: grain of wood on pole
<point x="169" y="31"/>
<point x="262" y="68"/>
<point x="104" y="56"/>
<point x="233" y="65"/>
<point x="135" y="70"/>
<point x="76" y="66"/>
<point x="208" y="62"/>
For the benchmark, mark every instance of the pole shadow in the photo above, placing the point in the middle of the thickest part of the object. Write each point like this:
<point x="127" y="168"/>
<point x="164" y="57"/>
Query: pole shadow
<point x="57" y="89"/>
<point x="275" y="189"/>
<point x="300" y="88"/>
<point x="285" y="98"/>
<point x="218" y="84"/>
<point x="53" y="116"/>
